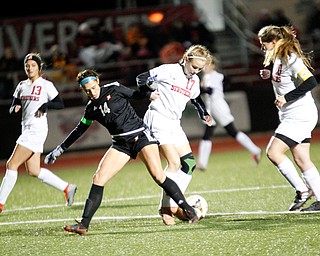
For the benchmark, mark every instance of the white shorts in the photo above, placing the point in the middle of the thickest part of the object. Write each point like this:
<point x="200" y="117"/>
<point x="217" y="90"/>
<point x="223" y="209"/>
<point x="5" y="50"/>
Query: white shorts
<point x="220" y="111"/>
<point x="299" y="127"/>
<point x="166" y="130"/>
<point x="33" y="138"/>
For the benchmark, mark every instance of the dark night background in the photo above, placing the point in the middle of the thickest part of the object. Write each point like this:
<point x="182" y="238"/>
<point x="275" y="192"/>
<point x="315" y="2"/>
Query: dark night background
<point x="13" y="10"/>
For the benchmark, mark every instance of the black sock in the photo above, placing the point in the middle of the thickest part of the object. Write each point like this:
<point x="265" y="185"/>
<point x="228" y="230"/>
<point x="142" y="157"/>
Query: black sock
<point x="92" y="204"/>
<point x="172" y="190"/>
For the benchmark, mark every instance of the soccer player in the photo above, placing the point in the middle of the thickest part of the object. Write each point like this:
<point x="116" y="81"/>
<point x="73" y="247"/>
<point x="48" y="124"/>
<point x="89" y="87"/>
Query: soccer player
<point x="109" y="105"/>
<point x="212" y="84"/>
<point x="292" y="83"/>
<point x="33" y="96"/>
<point x="177" y="84"/>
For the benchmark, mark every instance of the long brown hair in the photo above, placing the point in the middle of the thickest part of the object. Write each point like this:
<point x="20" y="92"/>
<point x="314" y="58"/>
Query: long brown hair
<point x="286" y="43"/>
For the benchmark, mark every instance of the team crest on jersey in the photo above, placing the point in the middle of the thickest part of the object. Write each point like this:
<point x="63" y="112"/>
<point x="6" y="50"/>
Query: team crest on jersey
<point x="108" y="97"/>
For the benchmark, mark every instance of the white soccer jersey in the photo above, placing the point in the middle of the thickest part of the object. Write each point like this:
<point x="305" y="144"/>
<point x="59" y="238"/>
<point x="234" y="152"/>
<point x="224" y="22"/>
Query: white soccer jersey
<point x="32" y="96"/>
<point x="216" y="104"/>
<point x="214" y="80"/>
<point x="175" y="90"/>
<point x="298" y="117"/>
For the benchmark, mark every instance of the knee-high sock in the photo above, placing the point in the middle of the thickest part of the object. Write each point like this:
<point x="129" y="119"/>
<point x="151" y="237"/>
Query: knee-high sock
<point x="8" y="182"/>
<point x="92" y="204"/>
<point x="289" y="171"/>
<point x="247" y="143"/>
<point x="166" y="200"/>
<point x="175" y="193"/>
<point x="51" y="179"/>
<point x="182" y="181"/>
<point x="312" y="178"/>
<point x="204" y="153"/>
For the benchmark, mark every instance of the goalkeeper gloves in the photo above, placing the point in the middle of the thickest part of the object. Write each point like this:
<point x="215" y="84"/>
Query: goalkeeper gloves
<point x="52" y="156"/>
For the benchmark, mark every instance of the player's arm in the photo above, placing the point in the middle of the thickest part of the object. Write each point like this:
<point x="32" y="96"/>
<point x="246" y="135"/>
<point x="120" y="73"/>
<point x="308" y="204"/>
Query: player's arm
<point x="55" y="103"/>
<point x="302" y="89"/>
<point x="15" y="105"/>
<point x="207" y="90"/>
<point x="146" y="82"/>
<point x="202" y="111"/>
<point x="200" y="107"/>
<point x="136" y="94"/>
<point x="75" y="134"/>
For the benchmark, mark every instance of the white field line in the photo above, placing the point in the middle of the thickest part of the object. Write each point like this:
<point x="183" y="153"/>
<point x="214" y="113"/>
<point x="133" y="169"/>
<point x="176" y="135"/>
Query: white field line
<point x="145" y="216"/>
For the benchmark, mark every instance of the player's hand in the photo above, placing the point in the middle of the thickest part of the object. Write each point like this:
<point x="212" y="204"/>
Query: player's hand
<point x="265" y="73"/>
<point x="280" y="101"/>
<point x="154" y="95"/>
<point x="208" y="120"/>
<point x="52" y="156"/>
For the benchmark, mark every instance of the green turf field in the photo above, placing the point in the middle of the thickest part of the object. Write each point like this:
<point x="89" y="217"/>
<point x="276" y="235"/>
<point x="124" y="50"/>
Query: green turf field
<point x="247" y="214"/>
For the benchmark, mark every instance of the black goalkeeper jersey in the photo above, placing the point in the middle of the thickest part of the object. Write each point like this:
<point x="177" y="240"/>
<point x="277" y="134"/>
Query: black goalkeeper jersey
<point x="112" y="110"/>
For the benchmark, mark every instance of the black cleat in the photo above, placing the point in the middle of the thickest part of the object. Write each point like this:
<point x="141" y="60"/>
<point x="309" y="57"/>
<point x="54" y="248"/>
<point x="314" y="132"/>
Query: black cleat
<point x="300" y="199"/>
<point x="191" y="216"/>
<point x="314" y="207"/>
<point x="76" y="229"/>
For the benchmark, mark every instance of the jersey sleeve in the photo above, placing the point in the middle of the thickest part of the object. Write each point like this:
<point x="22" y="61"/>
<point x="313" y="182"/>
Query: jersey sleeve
<point x="51" y="90"/>
<point x="299" y="69"/>
<point x="131" y="93"/>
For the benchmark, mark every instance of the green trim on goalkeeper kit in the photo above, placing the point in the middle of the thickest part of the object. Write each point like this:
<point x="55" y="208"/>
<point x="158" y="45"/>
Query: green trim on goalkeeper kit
<point x="86" y="121"/>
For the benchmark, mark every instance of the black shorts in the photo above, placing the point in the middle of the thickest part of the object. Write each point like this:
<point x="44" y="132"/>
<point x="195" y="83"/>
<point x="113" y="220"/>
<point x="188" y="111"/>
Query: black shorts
<point x="291" y="143"/>
<point x="133" y="143"/>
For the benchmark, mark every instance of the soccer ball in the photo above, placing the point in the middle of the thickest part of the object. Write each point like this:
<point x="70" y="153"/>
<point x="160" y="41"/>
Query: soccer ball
<point x="199" y="204"/>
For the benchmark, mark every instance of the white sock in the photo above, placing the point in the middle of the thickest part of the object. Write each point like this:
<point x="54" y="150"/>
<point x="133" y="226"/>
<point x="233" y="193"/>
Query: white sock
<point x="204" y="153"/>
<point x="182" y="181"/>
<point x="51" y="179"/>
<point x="247" y="143"/>
<point x="312" y="178"/>
<point x="8" y="182"/>
<point x="166" y="200"/>
<point x="289" y="171"/>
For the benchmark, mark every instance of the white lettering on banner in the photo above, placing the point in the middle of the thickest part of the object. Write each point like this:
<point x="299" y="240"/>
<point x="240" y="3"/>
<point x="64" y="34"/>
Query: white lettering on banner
<point x="44" y="35"/>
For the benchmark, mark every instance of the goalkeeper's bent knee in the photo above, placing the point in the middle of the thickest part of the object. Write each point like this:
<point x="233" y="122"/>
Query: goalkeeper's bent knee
<point x="188" y="163"/>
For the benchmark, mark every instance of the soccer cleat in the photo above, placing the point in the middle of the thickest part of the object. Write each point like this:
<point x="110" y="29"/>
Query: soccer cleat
<point x="315" y="206"/>
<point x="69" y="193"/>
<point x="76" y="229"/>
<point x="167" y="215"/>
<point x="192" y="216"/>
<point x="1" y="207"/>
<point x="180" y="215"/>
<point x="300" y="199"/>
<point x="257" y="157"/>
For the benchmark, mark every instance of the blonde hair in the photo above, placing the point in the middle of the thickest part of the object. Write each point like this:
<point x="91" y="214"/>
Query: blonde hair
<point x="286" y="43"/>
<point x="196" y="51"/>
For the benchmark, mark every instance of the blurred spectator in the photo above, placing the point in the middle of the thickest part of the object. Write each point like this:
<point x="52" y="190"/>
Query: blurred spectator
<point x="178" y="31"/>
<point x="264" y="19"/>
<point x="8" y="64"/>
<point x="199" y="34"/>
<point x="313" y="21"/>
<point x="280" y="19"/>
<point x="138" y="41"/>
<point x="93" y="47"/>
<point x="57" y="58"/>
<point x="172" y="52"/>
